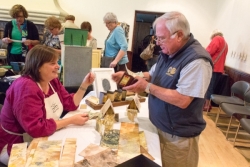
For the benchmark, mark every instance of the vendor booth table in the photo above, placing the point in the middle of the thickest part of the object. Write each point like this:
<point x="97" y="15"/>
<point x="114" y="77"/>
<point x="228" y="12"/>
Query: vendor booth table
<point x="87" y="134"/>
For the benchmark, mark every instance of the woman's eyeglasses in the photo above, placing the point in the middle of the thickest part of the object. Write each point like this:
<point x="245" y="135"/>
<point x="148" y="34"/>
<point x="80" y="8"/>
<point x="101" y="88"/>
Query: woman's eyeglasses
<point x="19" y="16"/>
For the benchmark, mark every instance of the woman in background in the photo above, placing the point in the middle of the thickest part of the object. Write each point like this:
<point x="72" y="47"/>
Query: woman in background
<point x="115" y="53"/>
<point x="19" y="29"/>
<point x="91" y="41"/>
<point x="217" y="49"/>
<point x="35" y="101"/>
<point x="53" y="29"/>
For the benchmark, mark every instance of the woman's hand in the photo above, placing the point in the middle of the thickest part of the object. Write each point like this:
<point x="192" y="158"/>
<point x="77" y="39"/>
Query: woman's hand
<point x="113" y="64"/>
<point x="7" y="40"/>
<point x="27" y="42"/>
<point x="80" y="119"/>
<point x="88" y="79"/>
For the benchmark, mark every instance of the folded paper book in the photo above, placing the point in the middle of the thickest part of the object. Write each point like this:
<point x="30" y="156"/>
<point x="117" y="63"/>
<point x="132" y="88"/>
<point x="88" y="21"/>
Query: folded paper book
<point x="126" y="80"/>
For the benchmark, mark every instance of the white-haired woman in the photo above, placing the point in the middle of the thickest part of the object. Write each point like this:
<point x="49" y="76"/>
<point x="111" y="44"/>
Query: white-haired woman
<point x="218" y="51"/>
<point x="115" y="53"/>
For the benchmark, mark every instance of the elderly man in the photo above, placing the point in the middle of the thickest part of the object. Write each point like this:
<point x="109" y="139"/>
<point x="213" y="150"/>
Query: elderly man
<point x="69" y="22"/>
<point x="176" y="87"/>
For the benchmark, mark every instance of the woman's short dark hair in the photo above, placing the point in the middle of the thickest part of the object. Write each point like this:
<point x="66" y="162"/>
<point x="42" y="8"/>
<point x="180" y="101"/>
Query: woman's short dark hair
<point x="16" y="9"/>
<point x="86" y="26"/>
<point x="35" y="58"/>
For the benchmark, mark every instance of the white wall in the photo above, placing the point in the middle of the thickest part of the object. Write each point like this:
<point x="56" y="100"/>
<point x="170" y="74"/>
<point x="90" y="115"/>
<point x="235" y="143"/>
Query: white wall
<point x="233" y="20"/>
<point x="203" y="16"/>
<point x="45" y="5"/>
<point x="94" y="10"/>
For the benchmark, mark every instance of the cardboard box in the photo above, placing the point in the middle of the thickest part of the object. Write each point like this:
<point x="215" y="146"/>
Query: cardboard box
<point x="137" y="161"/>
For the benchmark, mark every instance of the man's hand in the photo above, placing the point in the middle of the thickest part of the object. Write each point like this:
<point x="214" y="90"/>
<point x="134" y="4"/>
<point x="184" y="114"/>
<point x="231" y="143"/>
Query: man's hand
<point x="137" y="87"/>
<point x="117" y="76"/>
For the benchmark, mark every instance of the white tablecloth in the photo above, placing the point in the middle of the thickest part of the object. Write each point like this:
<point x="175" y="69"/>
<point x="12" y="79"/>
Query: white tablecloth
<point x="87" y="134"/>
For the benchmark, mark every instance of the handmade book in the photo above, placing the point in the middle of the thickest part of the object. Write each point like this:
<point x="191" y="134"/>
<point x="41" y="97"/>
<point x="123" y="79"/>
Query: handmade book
<point x="126" y="80"/>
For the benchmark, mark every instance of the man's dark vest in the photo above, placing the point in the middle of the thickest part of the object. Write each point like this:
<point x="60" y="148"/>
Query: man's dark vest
<point x="169" y="118"/>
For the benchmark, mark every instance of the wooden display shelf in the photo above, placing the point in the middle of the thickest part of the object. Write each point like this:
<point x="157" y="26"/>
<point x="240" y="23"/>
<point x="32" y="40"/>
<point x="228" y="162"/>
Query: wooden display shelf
<point x="115" y="104"/>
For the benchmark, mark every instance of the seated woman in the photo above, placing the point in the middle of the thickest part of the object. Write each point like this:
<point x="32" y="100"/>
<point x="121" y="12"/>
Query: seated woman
<point x="35" y="101"/>
<point x="53" y="29"/>
<point x="91" y="41"/>
<point x="19" y="29"/>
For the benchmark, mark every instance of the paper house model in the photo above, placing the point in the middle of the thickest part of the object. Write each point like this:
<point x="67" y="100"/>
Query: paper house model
<point x="106" y="118"/>
<point x="133" y="108"/>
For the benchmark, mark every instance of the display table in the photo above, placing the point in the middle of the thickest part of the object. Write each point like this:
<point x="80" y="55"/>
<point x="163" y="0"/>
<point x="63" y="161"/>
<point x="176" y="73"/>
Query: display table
<point x="87" y="134"/>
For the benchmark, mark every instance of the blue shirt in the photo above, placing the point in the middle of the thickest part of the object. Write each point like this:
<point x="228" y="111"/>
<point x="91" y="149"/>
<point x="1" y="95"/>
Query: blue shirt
<point x="116" y="42"/>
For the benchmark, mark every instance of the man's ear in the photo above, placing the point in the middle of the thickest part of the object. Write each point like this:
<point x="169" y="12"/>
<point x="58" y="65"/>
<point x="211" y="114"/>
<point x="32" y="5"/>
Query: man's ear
<point x="180" y="36"/>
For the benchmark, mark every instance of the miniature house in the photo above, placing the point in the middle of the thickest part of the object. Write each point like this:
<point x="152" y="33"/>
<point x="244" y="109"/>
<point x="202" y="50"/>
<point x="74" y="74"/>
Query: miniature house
<point x="133" y="108"/>
<point x="106" y="118"/>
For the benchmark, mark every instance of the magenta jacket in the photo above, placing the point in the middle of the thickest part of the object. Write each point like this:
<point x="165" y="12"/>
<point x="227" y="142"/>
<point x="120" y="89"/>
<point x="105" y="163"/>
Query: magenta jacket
<point x="24" y="110"/>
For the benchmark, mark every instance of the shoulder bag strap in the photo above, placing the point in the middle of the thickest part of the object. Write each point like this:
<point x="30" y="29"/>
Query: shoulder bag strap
<point x="218" y="57"/>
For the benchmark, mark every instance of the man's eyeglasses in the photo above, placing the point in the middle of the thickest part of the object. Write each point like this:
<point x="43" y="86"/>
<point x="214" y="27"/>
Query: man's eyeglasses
<point x="163" y="39"/>
<point x="159" y="39"/>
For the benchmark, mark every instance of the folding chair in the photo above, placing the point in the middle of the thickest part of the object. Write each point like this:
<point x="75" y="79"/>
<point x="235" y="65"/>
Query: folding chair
<point x="239" y="88"/>
<point x="233" y="110"/>
<point x="245" y="124"/>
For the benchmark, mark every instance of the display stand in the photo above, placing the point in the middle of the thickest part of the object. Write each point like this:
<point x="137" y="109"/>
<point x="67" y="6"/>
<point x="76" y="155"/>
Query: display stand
<point x="75" y="37"/>
<point x="77" y="61"/>
<point x="115" y="104"/>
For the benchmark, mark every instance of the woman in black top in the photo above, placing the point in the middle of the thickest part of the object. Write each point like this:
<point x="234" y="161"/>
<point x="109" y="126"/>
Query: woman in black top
<point x="20" y="34"/>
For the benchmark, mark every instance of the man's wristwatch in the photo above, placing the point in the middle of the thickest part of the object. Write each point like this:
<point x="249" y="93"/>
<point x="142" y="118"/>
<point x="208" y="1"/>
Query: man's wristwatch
<point x="147" y="88"/>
